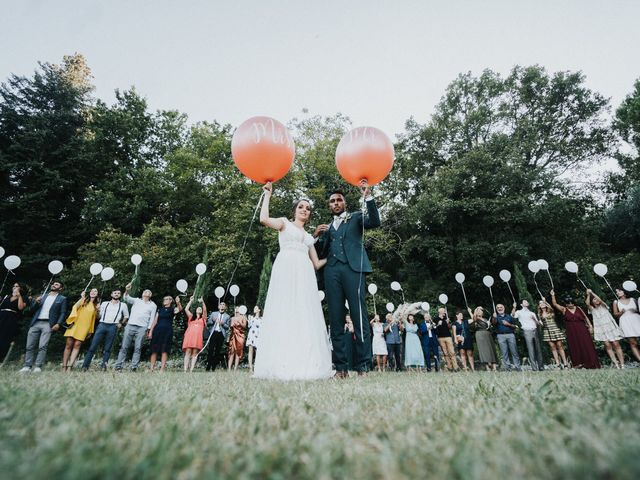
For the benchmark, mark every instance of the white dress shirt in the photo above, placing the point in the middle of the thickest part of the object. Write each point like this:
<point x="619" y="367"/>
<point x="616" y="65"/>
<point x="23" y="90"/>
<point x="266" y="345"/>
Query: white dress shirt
<point x="142" y="312"/>
<point x="46" y="306"/>
<point x="527" y="319"/>
<point x="111" y="313"/>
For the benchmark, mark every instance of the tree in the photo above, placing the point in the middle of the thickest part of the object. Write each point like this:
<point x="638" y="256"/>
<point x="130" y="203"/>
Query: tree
<point x="265" y="276"/>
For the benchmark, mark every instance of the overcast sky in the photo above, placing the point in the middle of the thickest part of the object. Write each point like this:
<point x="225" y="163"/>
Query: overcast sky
<point x="379" y="62"/>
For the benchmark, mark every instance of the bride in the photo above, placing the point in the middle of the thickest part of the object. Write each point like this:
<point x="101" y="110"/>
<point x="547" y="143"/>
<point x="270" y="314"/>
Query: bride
<point x="293" y="343"/>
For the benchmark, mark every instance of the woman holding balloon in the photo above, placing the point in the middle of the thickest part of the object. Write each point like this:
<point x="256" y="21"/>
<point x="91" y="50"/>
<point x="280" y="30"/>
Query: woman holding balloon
<point x="237" y="337"/>
<point x="161" y="332"/>
<point x="484" y="340"/>
<point x="82" y="320"/>
<point x="193" y="336"/>
<point x="627" y="311"/>
<point x="605" y="328"/>
<point x="583" y="353"/>
<point x="11" y="308"/>
<point x="552" y="334"/>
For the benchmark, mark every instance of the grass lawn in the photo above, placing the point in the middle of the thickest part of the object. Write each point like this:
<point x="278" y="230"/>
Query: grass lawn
<point x="561" y="424"/>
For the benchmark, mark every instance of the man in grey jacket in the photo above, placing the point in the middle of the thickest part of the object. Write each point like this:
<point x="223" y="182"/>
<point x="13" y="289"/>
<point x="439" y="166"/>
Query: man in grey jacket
<point x="218" y="330"/>
<point x="50" y="313"/>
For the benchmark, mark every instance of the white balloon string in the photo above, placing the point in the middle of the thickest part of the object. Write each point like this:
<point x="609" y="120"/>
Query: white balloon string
<point x="511" y="292"/>
<point x="364" y="205"/>
<point x="85" y="288"/>
<point x="610" y="288"/>
<point x="48" y="284"/>
<point x="375" y="311"/>
<point x="492" y="301"/>
<point x="551" y="280"/>
<point x="465" y="296"/>
<point x="580" y="280"/>
<point x="4" y="281"/>
<point x="538" y="289"/>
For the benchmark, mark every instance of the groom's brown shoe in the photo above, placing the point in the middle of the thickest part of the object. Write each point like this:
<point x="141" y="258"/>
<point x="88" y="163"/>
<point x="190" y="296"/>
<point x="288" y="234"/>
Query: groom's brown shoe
<point x="341" y="375"/>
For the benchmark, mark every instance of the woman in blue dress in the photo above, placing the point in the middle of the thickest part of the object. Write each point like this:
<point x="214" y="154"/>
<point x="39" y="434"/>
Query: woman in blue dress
<point x="161" y="332"/>
<point x="413" y="356"/>
<point x="463" y="340"/>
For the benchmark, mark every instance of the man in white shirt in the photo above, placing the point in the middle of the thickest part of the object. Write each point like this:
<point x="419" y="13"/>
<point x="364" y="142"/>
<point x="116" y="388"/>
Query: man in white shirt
<point x="112" y="315"/>
<point x="529" y="323"/>
<point x="143" y="311"/>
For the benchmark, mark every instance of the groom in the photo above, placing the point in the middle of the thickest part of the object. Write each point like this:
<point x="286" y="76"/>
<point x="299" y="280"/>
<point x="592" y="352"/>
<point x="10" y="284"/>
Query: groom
<point x="344" y="276"/>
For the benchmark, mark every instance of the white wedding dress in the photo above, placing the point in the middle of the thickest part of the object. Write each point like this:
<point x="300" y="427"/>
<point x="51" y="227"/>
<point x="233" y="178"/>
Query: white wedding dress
<point x="293" y="342"/>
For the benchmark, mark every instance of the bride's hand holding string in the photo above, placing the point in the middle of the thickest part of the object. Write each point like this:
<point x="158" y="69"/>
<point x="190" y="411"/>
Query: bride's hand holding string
<point x="267" y="188"/>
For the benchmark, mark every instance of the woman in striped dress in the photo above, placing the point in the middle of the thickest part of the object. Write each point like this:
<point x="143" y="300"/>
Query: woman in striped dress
<point x="552" y="334"/>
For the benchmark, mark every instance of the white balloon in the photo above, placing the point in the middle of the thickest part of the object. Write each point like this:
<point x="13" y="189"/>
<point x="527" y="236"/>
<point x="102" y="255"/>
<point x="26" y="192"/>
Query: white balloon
<point x="543" y="264"/>
<point x="505" y="275"/>
<point x="136" y="259"/>
<point x="242" y="310"/>
<point x="571" y="267"/>
<point x="630" y="286"/>
<point x="390" y="307"/>
<point x="12" y="262"/>
<point x="95" y="268"/>
<point x="460" y="277"/>
<point x="107" y="274"/>
<point x="201" y="268"/>
<point x="488" y="281"/>
<point x="321" y="295"/>
<point x="600" y="269"/>
<point x="55" y="267"/>
<point x="1" y="252"/>
<point x="373" y="288"/>
<point x="182" y="285"/>
<point x="443" y="298"/>
<point x="234" y="290"/>
<point x="424" y="306"/>
<point x="219" y="292"/>
<point x="395" y="286"/>
<point x="533" y="266"/>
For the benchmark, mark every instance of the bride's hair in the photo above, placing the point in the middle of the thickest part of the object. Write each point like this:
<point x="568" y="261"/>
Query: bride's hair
<point x="295" y="207"/>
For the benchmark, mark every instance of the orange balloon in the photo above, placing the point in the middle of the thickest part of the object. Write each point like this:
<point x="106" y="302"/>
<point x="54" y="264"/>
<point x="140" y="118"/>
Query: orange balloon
<point x="364" y="153"/>
<point x="262" y="149"/>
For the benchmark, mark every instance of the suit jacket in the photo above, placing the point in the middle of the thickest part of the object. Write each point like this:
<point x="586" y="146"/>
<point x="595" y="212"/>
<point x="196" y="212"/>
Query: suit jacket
<point x="57" y="314"/>
<point x="352" y="237"/>
<point x="226" y="320"/>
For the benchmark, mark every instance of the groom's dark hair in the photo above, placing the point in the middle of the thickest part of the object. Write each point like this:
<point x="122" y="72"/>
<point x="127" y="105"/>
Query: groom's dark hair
<point x="336" y="191"/>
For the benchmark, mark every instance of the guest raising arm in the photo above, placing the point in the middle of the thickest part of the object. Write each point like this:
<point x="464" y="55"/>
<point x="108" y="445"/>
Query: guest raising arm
<point x="193" y="336"/>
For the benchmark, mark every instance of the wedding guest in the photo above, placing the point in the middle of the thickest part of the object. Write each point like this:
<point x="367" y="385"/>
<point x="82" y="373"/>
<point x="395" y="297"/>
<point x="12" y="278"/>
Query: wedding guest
<point x="143" y="311"/>
<point x="349" y="342"/>
<point x="113" y="314"/>
<point x="193" y="336"/>
<point x="484" y="340"/>
<point x="255" y="321"/>
<point x="11" y="308"/>
<point x="413" y="356"/>
<point x="393" y="331"/>
<point x="626" y="310"/>
<point x="430" y="345"/>
<point x="49" y="314"/>
<point x="217" y="331"/>
<point x="82" y="320"/>
<point x="605" y="328"/>
<point x="579" y="330"/>
<point x="443" y="330"/>
<point x="505" y="328"/>
<point x="552" y="334"/>
<point x="237" y="337"/>
<point x="464" y="341"/>
<point x="161" y="331"/>
<point x="529" y="323"/>
<point x="378" y="345"/>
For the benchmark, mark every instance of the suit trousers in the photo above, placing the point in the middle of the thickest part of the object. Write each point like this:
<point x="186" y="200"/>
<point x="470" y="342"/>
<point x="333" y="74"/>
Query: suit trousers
<point x="38" y="336"/>
<point x="215" y="350"/>
<point x="534" y="348"/>
<point x="343" y="283"/>
<point x="446" y="344"/>
<point x="430" y="348"/>
<point x="393" y="350"/>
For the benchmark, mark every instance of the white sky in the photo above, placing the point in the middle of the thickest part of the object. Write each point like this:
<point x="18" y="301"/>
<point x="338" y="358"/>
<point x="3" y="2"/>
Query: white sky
<point x="379" y="62"/>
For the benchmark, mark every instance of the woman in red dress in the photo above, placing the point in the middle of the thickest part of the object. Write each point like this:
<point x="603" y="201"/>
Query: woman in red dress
<point x="192" y="342"/>
<point x="579" y="330"/>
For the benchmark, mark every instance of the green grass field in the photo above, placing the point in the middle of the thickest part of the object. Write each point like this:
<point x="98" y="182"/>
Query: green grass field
<point x="564" y="424"/>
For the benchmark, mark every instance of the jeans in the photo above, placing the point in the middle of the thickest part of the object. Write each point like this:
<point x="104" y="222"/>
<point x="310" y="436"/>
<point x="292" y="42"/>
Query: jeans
<point x="534" y="348"/>
<point x="105" y="333"/>
<point x="430" y="347"/>
<point x="38" y="335"/>
<point x="507" y="344"/>
<point x="136" y="334"/>
<point x="394" y="353"/>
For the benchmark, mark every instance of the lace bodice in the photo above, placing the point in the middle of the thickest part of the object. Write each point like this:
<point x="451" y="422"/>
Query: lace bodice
<point x="292" y="238"/>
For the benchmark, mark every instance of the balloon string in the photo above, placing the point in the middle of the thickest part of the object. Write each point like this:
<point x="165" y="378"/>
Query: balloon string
<point x="551" y="280"/>
<point x="375" y="310"/>
<point x="580" y="280"/>
<point x="465" y="296"/>
<point x="4" y="281"/>
<point x="492" y="301"/>
<point x="511" y="292"/>
<point x="364" y="205"/>
<point x="610" y="288"/>
<point x="244" y="244"/>
<point x="48" y="284"/>
<point x="538" y="289"/>
<point x="85" y="288"/>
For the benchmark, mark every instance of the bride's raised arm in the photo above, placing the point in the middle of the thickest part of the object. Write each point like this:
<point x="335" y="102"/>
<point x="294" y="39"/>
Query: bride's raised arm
<point x="265" y="219"/>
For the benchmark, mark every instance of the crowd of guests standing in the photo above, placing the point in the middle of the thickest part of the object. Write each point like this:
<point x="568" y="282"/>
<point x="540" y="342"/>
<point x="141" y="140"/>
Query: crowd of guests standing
<point x="407" y="339"/>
